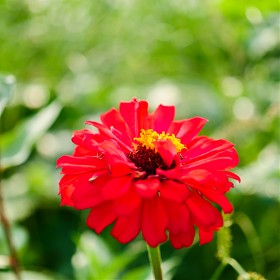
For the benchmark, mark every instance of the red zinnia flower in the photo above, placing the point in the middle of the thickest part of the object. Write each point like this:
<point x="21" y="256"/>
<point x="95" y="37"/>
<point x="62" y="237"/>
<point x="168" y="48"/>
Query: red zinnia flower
<point x="146" y="172"/>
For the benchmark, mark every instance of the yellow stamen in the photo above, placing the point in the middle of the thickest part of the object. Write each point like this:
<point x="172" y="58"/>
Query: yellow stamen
<point x="149" y="136"/>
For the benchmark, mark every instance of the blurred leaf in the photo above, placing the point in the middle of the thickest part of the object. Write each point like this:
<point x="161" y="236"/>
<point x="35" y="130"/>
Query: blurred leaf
<point x="17" y="144"/>
<point x="19" y="236"/>
<point x="139" y="273"/>
<point x="6" y="86"/>
<point x="94" y="255"/>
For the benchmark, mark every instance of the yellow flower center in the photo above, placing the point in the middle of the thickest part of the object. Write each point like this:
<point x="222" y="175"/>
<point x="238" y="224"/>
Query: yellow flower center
<point x="149" y="136"/>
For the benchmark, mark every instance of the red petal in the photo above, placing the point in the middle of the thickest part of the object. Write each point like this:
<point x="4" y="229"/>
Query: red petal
<point x="108" y="134"/>
<point x="127" y="228"/>
<point x="219" y="198"/>
<point x="209" y="185"/>
<point x="163" y="117"/>
<point x="204" y="214"/>
<point x="179" y="219"/>
<point x="135" y="115"/>
<point x="147" y="188"/>
<point x="154" y="222"/>
<point x="232" y="175"/>
<point x="205" y="236"/>
<point x="116" y="187"/>
<point x="101" y="216"/>
<point x="186" y="130"/>
<point x="203" y="146"/>
<point x="76" y="165"/>
<point x="202" y="179"/>
<point x="88" y="194"/>
<point x="66" y="195"/>
<point x="127" y="203"/>
<point x="173" y="173"/>
<point x="182" y="239"/>
<point x="120" y="168"/>
<point x="171" y="190"/>
<point x="113" y="119"/>
<point x="167" y="150"/>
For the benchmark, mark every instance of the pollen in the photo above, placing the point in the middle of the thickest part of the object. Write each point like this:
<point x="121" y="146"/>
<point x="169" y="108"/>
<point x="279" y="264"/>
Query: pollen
<point x="149" y="136"/>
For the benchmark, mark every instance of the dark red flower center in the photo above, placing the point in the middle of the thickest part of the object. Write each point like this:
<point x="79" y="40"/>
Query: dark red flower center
<point x="147" y="160"/>
<point x="145" y="155"/>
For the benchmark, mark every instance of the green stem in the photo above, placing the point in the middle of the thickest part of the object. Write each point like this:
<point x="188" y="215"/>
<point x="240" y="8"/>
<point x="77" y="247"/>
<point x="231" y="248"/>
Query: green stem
<point x="155" y="261"/>
<point x="235" y="265"/>
<point x="218" y="272"/>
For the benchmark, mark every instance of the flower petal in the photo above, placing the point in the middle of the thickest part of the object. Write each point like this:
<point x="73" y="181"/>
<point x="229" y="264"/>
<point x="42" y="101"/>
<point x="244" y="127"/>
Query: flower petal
<point x="88" y="193"/>
<point x="120" y="168"/>
<point x="167" y="150"/>
<point x="203" y="146"/>
<point x="173" y="173"/>
<point x="113" y="120"/>
<point x="223" y="160"/>
<point x="171" y="190"/>
<point x="135" y="114"/>
<point x="76" y="165"/>
<point x="128" y="227"/>
<point x="154" y="222"/>
<point x="147" y="188"/>
<point x="101" y="216"/>
<point x="204" y="214"/>
<point x="182" y="239"/>
<point x="127" y="203"/>
<point x="116" y="187"/>
<point x="205" y="236"/>
<point x="209" y="186"/>
<point x="179" y="219"/>
<point x="186" y="130"/>
<point x="219" y="198"/>
<point x="66" y="191"/>
<point x="163" y="117"/>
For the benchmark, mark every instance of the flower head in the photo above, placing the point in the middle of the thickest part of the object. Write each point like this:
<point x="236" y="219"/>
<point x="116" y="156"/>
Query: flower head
<point x="145" y="172"/>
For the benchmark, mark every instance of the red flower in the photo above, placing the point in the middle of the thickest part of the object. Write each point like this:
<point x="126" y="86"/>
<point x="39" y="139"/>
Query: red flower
<point x="146" y="172"/>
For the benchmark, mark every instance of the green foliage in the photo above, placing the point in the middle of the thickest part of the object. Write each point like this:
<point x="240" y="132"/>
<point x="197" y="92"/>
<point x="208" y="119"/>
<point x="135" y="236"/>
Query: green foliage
<point x="17" y="143"/>
<point x="75" y="59"/>
<point x="6" y="85"/>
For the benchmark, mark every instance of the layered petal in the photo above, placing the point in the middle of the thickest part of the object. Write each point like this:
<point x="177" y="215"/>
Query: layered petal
<point x="115" y="122"/>
<point x="147" y="188"/>
<point x="203" y="214"/>
<point x="76" y="165"/>
<point x="154" y="222"/>
<point x="182" y="239"/>
<point x="116" y="187"/>
<point x="135" y="114"/>
<point x="128" y="227"/>
<point x="87" y="193"/>
<point x="186" y="130"/>
<point x="205" y="236"/>
<point x="174" y="191"/>
<point x="128" y="203"/>
<point x="179" y="219"/>
<point x="101" y="216"/>
<point x="162" y="118"/>
<point x="167" y="151"/>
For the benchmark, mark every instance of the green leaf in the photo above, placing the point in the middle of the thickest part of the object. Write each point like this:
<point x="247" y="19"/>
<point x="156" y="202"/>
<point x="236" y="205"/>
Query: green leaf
<point x="6" y="86"/>
<point x="17" y="144"/>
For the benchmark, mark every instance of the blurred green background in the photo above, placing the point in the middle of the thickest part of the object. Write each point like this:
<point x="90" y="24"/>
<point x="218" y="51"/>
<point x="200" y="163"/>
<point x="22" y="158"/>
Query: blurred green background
<point x="63" y="62"/>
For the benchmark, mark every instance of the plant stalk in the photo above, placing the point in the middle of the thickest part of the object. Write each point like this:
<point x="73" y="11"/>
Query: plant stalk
<point x="155" y="261"/>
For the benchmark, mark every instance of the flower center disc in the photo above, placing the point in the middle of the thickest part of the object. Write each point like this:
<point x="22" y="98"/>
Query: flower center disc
<point x="145" y="155"/>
